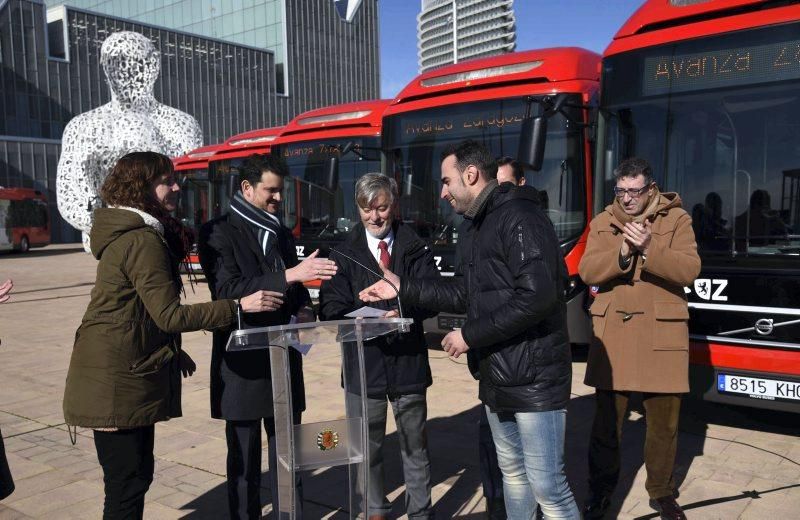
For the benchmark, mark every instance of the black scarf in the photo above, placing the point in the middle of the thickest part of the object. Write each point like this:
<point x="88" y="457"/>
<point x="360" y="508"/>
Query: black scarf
<point x="266" y="225"/>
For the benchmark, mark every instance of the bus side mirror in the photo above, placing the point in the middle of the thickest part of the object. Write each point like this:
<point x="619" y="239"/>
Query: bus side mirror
<point x="183" y="182"/>
<point x="233" y="183"/>
<point x="408" y="184"/>
<point x="533" y="138"/>
<point x="405" y="182"/>
<point x="332" y="177"/>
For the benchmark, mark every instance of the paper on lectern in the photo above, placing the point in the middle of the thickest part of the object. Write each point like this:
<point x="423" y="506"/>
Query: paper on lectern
<point x="367" y="312"/>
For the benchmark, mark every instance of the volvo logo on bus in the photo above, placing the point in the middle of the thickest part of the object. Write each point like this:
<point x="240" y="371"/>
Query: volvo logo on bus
<point x="764" y="326"/>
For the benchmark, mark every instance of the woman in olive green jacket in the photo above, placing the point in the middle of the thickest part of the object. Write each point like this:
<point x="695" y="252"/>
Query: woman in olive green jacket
<point x="124" y="375"/>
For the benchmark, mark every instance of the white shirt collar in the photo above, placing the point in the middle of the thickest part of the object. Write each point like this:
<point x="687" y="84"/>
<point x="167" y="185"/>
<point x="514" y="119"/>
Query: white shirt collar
<point x="373" y="242"/>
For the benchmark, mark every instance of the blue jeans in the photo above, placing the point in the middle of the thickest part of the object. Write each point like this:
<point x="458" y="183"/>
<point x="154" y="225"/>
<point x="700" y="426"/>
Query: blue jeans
<point x="530" y="451"/>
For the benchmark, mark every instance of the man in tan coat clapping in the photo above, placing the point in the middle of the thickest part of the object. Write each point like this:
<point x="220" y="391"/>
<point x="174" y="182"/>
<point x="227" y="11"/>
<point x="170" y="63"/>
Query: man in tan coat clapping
<point x="640" y="254"/>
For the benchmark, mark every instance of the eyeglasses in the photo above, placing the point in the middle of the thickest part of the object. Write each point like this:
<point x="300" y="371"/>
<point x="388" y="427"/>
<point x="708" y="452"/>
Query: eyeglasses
<point x="633" y="193"/>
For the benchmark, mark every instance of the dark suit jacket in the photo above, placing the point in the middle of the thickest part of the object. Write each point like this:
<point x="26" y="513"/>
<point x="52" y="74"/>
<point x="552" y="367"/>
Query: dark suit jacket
<point x="235" y="266"/>
<point x="396" y="363"/>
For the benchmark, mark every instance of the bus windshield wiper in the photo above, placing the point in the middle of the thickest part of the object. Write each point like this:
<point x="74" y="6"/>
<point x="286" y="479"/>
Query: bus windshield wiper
<point x="324" y="229"/>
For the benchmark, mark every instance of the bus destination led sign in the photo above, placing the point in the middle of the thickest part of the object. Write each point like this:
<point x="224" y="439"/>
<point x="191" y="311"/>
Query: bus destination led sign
<point x="318" y="151"/>
<point x="722" y="68"/>
<point x="469" y="122"/>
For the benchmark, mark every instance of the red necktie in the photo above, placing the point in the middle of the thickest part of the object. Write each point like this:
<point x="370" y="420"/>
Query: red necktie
<point x="385" y="258"/>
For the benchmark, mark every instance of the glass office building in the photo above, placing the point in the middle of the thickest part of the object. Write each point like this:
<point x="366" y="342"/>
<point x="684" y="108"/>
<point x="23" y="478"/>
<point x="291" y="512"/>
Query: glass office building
<point x="50" y="72"/>
<point x="257" y="23"/>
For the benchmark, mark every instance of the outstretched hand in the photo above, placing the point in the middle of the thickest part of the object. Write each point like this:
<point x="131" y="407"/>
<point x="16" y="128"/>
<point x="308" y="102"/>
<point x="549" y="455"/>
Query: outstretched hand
<point x="312" y="268"/>
<point x="5" y="289"/>
<point x="381" y="290"/>
<point x="262" y="301"/>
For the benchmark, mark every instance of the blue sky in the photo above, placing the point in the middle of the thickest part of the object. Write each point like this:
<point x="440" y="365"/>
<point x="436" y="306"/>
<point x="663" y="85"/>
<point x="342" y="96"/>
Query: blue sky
<point x="540" y="23"/>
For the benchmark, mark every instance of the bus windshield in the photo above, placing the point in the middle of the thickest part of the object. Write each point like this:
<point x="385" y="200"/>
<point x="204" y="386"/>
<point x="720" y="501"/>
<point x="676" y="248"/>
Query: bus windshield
<point x="718" y="118"/>
<point x="193" y="209"/>
<point x="323" y="214"/>
<point x="414" y="141"/>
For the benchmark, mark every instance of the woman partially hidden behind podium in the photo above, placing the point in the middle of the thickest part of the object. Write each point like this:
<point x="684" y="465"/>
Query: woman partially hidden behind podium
<point x="124" y="375"/>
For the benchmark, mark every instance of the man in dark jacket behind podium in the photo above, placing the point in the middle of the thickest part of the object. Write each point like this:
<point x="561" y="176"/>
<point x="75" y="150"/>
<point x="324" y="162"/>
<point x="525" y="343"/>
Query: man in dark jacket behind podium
<point x="396" y="366"/>
<point x="245" y="250"/>
<point x="515" y="334"/>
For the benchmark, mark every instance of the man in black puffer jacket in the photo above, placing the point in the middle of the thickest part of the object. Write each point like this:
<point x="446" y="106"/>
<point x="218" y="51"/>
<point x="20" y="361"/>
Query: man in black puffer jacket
<point x="515" y="334"/>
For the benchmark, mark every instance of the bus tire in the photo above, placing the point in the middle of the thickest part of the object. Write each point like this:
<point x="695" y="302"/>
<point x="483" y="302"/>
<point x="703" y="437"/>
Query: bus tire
<point x="24" y="244"/>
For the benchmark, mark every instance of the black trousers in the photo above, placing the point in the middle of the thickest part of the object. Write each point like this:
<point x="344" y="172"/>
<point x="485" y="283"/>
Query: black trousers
<point x="491" y="476"/>
<point x="244" y="468"/>
<point x="6" y="482"/>
<point x="126" y="457"/>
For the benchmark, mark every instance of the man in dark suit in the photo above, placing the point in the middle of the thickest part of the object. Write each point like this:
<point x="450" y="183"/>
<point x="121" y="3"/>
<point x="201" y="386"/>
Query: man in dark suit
<point x="245" y="250"/>
<point x="396" y="366"/>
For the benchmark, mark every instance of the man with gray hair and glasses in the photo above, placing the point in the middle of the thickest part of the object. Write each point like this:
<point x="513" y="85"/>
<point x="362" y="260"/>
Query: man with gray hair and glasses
<point x="396" y="366"/>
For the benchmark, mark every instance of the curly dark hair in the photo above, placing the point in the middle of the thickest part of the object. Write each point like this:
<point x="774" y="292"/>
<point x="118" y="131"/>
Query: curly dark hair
<point x="632" y="167"/>
<point x="130" y="182"/>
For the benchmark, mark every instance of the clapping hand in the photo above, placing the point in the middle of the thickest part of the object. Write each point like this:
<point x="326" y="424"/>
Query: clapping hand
<point x="637" y="235"/>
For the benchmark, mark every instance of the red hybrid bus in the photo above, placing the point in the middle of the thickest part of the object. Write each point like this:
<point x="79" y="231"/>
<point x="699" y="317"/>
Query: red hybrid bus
<point x="493" y="100"/>
<point x="327" y="150"/>
<point x="709" y="93"/>
<point x="24" y="219"/>
<point x="193" y="175"/>
<point x="193" y="210"/>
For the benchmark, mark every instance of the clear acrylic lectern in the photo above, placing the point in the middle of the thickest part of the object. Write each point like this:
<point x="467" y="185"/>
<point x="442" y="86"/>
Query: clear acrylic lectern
<point x="341" y="440"/>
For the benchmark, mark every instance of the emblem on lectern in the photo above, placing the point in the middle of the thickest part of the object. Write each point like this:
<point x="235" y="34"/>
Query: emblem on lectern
<point x="327" y="439"/>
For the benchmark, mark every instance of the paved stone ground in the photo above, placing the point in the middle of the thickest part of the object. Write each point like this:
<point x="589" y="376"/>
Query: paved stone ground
<point x="732" y="463"/>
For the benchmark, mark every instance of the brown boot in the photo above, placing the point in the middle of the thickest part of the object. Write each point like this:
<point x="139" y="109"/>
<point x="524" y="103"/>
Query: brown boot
<point x="668" y="507"/>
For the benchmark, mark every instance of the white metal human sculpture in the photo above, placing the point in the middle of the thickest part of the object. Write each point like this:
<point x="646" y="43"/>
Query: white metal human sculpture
<point x="132" y="121"/>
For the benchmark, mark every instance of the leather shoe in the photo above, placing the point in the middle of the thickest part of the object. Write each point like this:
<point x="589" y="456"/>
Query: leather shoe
<point x="668" y="507"/>
<point x="596" y="506"/>
<point x="377" y="517"/>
